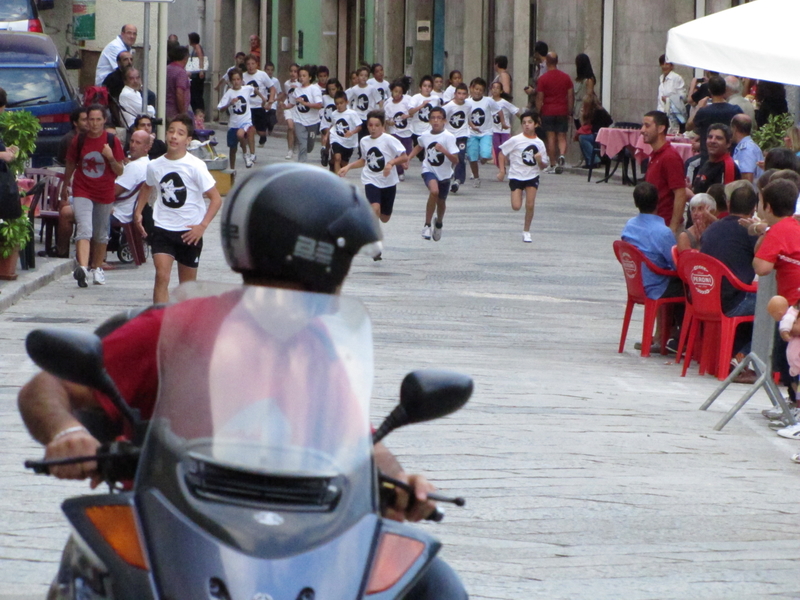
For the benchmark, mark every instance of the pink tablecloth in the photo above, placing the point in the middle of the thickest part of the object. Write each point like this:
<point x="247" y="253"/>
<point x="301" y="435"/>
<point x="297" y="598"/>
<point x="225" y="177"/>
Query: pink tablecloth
<point x="612" y="141"/>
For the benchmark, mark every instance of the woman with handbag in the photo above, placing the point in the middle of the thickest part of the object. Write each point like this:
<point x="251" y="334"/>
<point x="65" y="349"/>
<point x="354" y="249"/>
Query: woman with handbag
<point x="196" y="68"/>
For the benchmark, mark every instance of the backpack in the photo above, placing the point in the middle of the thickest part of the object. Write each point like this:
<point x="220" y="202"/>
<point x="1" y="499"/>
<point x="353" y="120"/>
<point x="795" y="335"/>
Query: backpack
<point x="82" y="137"/>
<point x="95" y="94"/>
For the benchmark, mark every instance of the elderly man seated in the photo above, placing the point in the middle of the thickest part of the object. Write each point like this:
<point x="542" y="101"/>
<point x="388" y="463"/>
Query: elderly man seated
<point x="130" y="100"/>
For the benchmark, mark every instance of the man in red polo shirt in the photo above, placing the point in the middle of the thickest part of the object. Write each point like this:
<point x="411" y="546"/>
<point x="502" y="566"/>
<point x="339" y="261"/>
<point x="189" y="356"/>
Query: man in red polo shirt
<point x="555" y="97"/>
<point x="665" y="170"/>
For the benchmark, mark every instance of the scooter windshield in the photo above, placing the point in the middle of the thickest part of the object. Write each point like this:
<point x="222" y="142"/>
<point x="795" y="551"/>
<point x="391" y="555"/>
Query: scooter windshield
<point x="265" y="380"/>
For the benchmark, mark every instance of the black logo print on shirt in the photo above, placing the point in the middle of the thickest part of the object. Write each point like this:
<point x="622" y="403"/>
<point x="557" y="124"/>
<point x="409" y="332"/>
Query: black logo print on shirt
<point x="375" y="160"/>
<point x="239" y="106"/>
<point x="173" y="190"/>
<point x="301" y="107"/>
<point x="342" y="127"/>
<point x="254" y="85"/>
<point x="362" y="102"/>
<point x="457" y="119"/>
<point x="478" y="117"/>
<point x="399" y="121"/>
<point x="433" y="156"/>
<point x="528" y="154"/>
<point x="425" y="113"/>
<point x="328" y="111"/>
<point x="496" y="118"/>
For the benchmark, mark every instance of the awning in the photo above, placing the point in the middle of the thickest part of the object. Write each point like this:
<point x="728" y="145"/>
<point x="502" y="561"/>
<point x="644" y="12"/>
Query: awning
<point x="756" y="40"/>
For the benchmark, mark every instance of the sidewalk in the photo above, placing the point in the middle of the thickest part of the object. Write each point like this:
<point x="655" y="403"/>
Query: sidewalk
<point x="587" y="473"/>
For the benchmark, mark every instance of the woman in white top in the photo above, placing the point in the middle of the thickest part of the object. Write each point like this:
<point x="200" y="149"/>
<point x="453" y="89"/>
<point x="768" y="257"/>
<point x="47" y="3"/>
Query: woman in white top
<point x="289" y="113"/>
<point x="308" y="101"/>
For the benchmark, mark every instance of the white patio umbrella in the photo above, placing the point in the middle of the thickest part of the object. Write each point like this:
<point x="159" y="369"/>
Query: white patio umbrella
<point x="756" y="40"/>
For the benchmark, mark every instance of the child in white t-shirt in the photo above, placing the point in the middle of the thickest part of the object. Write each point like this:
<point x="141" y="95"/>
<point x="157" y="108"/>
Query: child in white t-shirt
<point x="288" y="106"/>
<point x="397" y="119"/>
<point x="345" y="125"/>
<point x="455" y="80"/>
<point x="420" y="107"/>
<point x="457" y="112"/>
<point x="378" y="82"/>
<point x="440" y="154"/>
<point x="380" y="154"/>
<point x="308" y="102"/>
<point x="438" y="86"/>
<point x="499" y="133"/>
<point x="272" y="109"/>
<point x="328" y="108"/>
<point x="240" y="127"/>
<point x="527" y="155"/>
<point x="479" y="145"/>
<point x="180" y="214"/>
<point x="363" y="99"/>
<point x="262" y="82"/>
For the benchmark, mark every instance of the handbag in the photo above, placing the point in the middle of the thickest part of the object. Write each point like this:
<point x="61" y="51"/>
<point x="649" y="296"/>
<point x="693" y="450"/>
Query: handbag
<point x="10" y="204"/>
<point x="193" y="65"/>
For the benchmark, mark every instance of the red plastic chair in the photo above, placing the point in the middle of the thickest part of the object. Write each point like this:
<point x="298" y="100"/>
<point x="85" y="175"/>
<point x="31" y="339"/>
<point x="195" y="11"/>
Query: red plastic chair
<point x="703" y="275"/>
<point x="632" y="261"/>
<point x="689" y="312"/>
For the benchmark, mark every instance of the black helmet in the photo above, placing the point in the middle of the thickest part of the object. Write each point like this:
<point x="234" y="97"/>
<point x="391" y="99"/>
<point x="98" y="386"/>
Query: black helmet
<point x="296" y="223"/>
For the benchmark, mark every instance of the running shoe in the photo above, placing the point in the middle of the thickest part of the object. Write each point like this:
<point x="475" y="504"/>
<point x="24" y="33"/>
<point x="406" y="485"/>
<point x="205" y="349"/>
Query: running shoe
<point x="560" y="165"/>
<point x="437" y="232"/>
<point x="248" y="160"/>
<point x="80" y="274"/>
<point x="776" y="412"/>
<point x="378" y="256"/>
<point x="526" y="237"/>
<point x="98" y="276"/>
<point x="401" y="177"/>
<point x="323" y="157"/>
<point x="550" y="170"/>
<point x="289" y="155"/>
<point x="476" y="183"/>
<point x="262" y="140"/>
<point x="790" y="433"/>
<point x="454" y="187"/>
<point x="426" y="233"/>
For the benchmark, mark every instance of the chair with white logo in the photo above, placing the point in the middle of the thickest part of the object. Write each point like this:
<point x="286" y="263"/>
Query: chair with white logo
<point x="703" y="274"/>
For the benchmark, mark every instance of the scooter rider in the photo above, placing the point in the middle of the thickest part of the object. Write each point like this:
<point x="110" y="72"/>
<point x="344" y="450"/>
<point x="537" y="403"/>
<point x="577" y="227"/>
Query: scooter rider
<point x="290" y="226"/>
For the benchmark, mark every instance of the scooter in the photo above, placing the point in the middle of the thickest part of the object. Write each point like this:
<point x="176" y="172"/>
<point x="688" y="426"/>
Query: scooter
<point x="254" y="477"/>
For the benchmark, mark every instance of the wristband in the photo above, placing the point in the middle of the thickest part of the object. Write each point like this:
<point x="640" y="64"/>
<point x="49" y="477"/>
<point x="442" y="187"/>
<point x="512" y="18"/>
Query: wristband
<point x="68" y="431"/>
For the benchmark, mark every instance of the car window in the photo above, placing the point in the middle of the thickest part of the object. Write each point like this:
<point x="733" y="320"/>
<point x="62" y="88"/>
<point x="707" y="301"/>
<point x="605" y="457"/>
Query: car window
<point x="29" y="87"/>
<point x="15" y="10"/>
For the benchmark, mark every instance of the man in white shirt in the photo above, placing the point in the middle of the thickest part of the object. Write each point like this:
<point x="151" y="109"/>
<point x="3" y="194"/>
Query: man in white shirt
<point x="108" y="59"/>
<point x="671" y="93"/>
<point x="127" y="185"/>
<point x="733" y="95"/>
<point x="130" y="99"/>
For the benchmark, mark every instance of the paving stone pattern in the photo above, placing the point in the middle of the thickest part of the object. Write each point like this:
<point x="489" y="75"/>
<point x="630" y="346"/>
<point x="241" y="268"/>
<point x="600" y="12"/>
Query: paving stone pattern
<point x="588" y="473"/>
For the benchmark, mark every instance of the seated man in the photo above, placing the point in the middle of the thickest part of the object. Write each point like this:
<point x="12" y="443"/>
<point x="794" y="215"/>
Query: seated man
<point x="719" y="168"/>
<point x="126" y="187"/>
<point x="115" y="81"/>
<point x="732" y="245"/>
<point x="648" y="232"/>
<point x="130" y="99"/>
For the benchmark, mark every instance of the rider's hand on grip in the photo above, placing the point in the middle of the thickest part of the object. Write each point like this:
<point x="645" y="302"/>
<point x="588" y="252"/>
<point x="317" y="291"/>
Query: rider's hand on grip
<point x="78" y="443"/>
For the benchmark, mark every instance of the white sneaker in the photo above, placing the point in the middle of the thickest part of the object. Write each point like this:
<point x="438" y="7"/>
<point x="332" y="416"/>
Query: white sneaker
<point x="254" y="157"/>
<point x="526" y="237"/>
<point x="550" y="170"/>
<point x="790" y="433"/>
<point x="476" y="183"/>
<point x="560" y="165"/>
<point x="437" y="231"/>
<point x="248" y="160"/>
<point x="98" y="276"/>
<point x="776" y="413"/>
<point x="454" y="187"/>
<point x="289" y="155"/>
<point x="402" y="177"/>
<point x="426" y="232"/>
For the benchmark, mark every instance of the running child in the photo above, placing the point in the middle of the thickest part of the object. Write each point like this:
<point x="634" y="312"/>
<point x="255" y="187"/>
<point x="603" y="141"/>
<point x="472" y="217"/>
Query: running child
<point x="323" y="75"/>
<point x="479" y="145"/>
<point x="308" y="102"/>
<point x="440" y="154"/>
<point x="380" y="152"/>
<point x="289" y="112"/>
<point x="363" y="98"/>
<point x="396" y="110"/>
<point x="438" y="86"/>
<point x="379" y="83"/>
<point x="328" y="108"/>
<point x="240" y="128"/>
<point x="457" y="123"/>
<point x="420" y="107"/>
<point x="528" y="156"/>
<point x="180" y="213"/>
<point x="345" y="124"/>
<point x="455" y="80"/>
<point x="272" y="109"/>
<point x="499" y="133"/>
<point x="260" y="82"/>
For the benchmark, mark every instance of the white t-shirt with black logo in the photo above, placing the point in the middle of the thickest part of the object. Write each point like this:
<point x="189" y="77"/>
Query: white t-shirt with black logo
<point x="377" y="153"/>
<point x="396" y="123"/>
<point x="448" y="94"/>
<point x="419" y="122"/>
<point x="519" y="150"/>
<point x="305" y="115"/>
<point x="382" y="87"/>
<point x="131" y="179"/>
<point x="341" y="123"/>
<point x="436" y="162"/>
<point x="239" y="111"/>
<point x="258" y="81"/>
<point x="179" y="187"/>
<point x="290" y="87"/>
<point x="508" y="110"/>
<point x="277" y="85"/>
<point x="481" y="115"/>
<point x="363" y="100"/>
<point x="457" y="115"/>
<point x="325" y="113"/>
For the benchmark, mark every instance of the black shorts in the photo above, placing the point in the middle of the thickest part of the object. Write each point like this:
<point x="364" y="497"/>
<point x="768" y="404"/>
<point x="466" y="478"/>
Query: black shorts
<point x="260" y="121"/>
<point x="337" y="148"/>
<point x="164" y="241"/>
<point x="272" y="119"/>
<point x="443" y="184"/>
<point x="557" y="124"/>
<point x="517" y="184"/>
<point x="383" y="196"/>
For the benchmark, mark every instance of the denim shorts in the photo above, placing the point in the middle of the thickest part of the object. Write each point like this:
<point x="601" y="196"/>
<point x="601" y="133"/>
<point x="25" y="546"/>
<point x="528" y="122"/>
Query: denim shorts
<point x="444" y="184"/>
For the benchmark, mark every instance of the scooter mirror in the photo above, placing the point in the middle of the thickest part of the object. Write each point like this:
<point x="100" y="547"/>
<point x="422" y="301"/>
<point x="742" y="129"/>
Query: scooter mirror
<point x="427" y="395"/>
<point x="77" y="357"/>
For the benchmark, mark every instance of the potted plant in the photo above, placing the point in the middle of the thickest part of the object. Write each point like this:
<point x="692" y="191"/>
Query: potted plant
<point x="18" y="128"/>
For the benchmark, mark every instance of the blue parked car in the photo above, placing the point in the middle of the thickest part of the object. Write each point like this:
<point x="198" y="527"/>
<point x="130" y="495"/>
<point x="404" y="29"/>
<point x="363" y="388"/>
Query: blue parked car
<point x="35" y="79"/>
